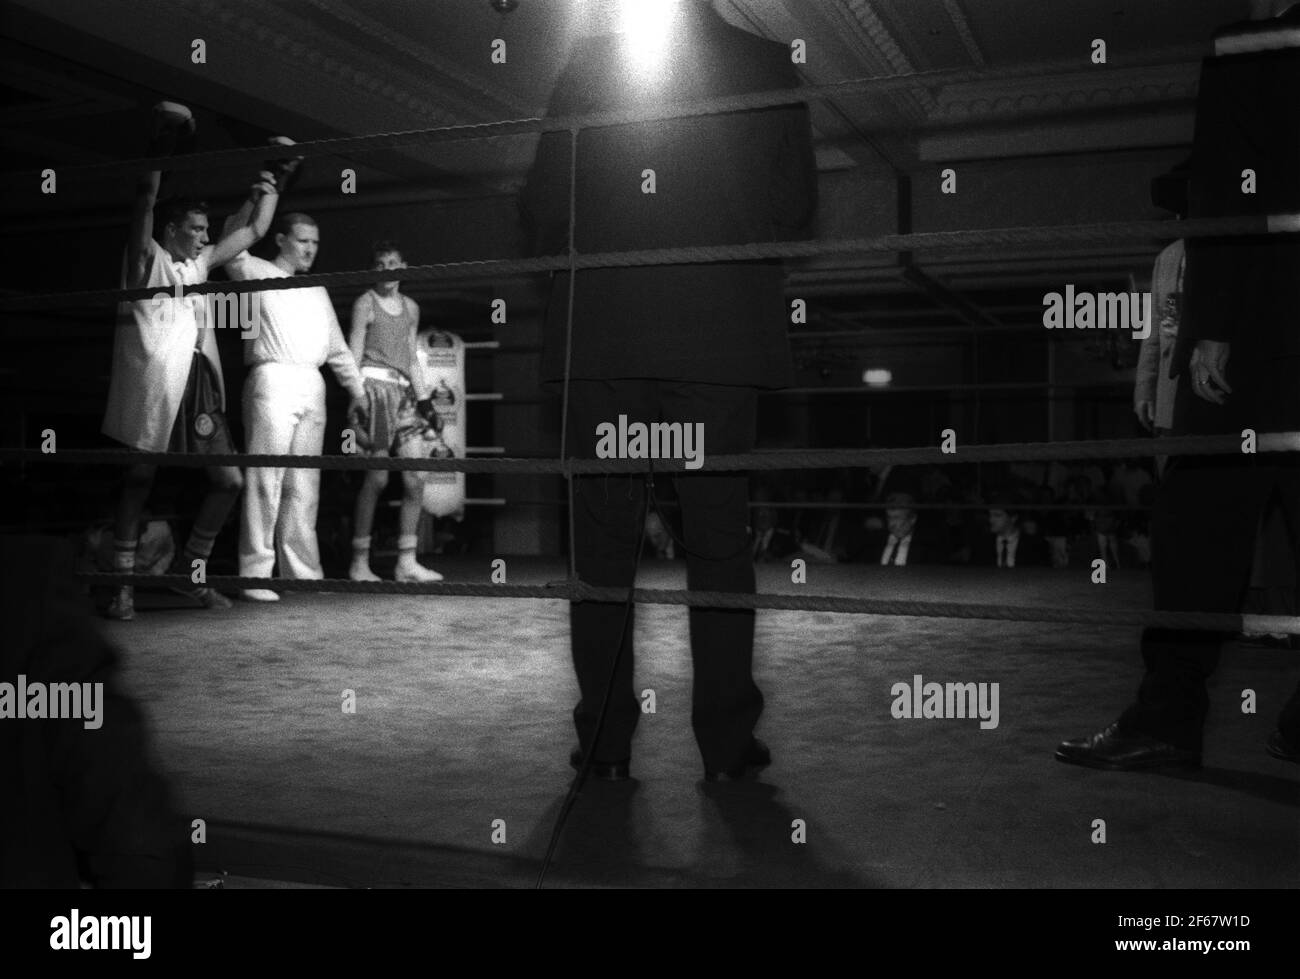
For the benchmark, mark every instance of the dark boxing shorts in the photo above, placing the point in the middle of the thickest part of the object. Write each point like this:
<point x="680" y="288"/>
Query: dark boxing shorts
<point x="392" y="418"/>
<point x="200" y="424"/>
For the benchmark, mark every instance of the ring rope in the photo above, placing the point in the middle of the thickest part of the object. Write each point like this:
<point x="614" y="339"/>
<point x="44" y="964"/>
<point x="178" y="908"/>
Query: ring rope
<point x="696" y="254"/>
<point x="1028" y="508"/>
<point x="1182" y="445"/>
<point x="1173" y="56"/>
<point x="572" y="256"/>
<point x="862" y="505"/>
<point x="573" y="590"/>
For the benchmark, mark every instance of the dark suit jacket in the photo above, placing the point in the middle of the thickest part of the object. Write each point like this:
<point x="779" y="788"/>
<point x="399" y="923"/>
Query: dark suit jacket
<point x="925" y="548"/>
<point x="1245" y="290"/>
<point x="1031" y="552"/>
<point x="721" y="179"/>
<point x="77" y="803"/>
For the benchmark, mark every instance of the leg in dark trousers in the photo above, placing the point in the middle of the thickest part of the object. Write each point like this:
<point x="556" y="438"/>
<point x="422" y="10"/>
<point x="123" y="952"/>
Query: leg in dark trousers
<point x="1203" y="535"/>
<point x="607" y="511"/>
<point x="726" y="703"/>
<point x="1288" y="498"/>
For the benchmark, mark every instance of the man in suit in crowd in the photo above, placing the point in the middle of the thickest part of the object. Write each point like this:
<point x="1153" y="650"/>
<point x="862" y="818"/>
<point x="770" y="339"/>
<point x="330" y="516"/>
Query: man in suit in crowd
<point x="771" y="541"/>
<point x="1238" y="354"/>
<point x="904" y="540"/>
<point x="1007" y="544"/>
<point x="691" y="343"/>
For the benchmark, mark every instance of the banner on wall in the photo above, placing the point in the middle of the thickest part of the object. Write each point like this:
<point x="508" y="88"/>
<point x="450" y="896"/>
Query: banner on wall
<point x="442" y="363"/>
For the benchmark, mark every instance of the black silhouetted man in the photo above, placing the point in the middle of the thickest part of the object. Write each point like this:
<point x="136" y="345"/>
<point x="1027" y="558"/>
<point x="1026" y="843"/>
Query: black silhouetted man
<point x="690" y="343"/>
<point x="83" y="802"/>
<point x="1239" y="353"/>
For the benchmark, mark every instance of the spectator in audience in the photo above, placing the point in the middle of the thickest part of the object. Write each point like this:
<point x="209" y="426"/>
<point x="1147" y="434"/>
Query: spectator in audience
<point x="904" y="540"/>
<point x="1053" y="526"/>
<point x="1006" y="545"/>
<point x="770" y="541"/>
<point x="823" y="536"/>
<point x="1127" y="482"/>
<point x="1106" y="540"/>
<point x="658" y="541"/>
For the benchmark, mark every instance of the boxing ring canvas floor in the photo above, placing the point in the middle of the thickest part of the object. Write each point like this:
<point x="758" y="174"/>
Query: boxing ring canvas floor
<point x="462" y="719"/>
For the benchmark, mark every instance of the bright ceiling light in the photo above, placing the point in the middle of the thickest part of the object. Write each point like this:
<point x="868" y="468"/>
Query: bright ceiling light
<point x="647" y="28"/>
<point x="877" y="377"/>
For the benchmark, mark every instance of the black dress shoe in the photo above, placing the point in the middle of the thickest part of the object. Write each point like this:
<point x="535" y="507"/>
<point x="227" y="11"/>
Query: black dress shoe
<point x="756" y="757"/>
<point x="1118" y="751"/>
<point x="1279" y="747"/>
<point x="606" y="771"/>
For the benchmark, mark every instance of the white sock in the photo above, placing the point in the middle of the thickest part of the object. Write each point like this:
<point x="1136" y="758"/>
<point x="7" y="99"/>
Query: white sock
<point x="406" y="546"/>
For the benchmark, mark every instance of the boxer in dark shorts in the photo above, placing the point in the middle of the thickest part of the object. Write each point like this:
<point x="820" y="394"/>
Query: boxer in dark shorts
<point x="401" y="419"/>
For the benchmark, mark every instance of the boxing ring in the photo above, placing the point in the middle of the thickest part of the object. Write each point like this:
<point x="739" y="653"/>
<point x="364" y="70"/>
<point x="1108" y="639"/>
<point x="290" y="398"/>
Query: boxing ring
<point x="452" y="769"/>
<point x="461" y="719"/>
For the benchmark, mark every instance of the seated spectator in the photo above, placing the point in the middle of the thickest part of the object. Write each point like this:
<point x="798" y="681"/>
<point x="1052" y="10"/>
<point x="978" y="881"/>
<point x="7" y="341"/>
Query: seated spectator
<point x="658" y="541"/>
<point x="1128" y="481"/>
<point x="1005" y="545"/>
<point x="1106" y="540"/>
<point x="1139" y="540"/>
<point x="771" y="542"/>
<point x="1053" y="526"/>
<point x="903" y="540"/>
<point x="823" y="532"/>
<point x="935" y="483"/>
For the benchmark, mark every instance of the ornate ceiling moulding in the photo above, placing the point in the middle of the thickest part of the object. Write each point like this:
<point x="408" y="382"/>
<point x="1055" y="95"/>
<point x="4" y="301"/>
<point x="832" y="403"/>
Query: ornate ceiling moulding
<point x="323" y="56"/>
<point x="917" y="102"/>
<point x="503" y="102"/>
<point x="1072" y="91"/>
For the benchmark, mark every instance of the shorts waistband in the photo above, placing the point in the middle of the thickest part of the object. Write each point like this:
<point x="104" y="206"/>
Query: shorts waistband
<point x="278" y="363"/>
<point x="376" y="373"/>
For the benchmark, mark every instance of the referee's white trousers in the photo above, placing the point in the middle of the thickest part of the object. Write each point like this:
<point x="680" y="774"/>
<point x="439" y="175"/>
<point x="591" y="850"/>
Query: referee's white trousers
<point x="284" y="414"/>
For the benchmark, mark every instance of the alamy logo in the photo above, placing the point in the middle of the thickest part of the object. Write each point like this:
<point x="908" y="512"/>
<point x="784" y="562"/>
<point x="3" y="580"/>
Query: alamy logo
<point x="1098" y="311"/>
<point x="213" y="310"/>
<point x="945" y="700"/>
<point x="102" y="931"/>
<point x="658" y="440"/>
<point x="53" y="701"/>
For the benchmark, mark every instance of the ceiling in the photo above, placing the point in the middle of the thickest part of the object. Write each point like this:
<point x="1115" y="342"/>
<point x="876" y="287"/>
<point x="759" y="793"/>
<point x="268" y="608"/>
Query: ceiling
<point x="1042" y="135"/>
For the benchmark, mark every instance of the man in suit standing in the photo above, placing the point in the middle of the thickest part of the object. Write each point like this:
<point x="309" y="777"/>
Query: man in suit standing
<point x="690" y="343"/>
<point x="1153" y="387"/>
<point x="1239" y="351"/>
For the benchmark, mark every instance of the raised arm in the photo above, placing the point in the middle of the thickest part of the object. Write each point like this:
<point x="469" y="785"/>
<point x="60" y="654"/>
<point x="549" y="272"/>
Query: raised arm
<point x="247" y="226"/>
<point x="172" y="131"/>
<point x="140" y="242"/>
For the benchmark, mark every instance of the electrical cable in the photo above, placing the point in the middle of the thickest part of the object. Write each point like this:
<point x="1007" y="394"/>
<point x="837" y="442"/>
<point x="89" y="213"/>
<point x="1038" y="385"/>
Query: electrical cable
<point x="580" y="777"/>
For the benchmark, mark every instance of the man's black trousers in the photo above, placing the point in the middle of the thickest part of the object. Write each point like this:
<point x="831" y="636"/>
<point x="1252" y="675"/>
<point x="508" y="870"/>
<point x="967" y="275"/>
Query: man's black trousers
<point x="1202" y="543"/>
<point x="607" y="514"/>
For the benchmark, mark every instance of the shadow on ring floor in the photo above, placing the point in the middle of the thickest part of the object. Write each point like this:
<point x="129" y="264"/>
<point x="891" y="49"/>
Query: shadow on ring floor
<point x="461" y="729"/>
